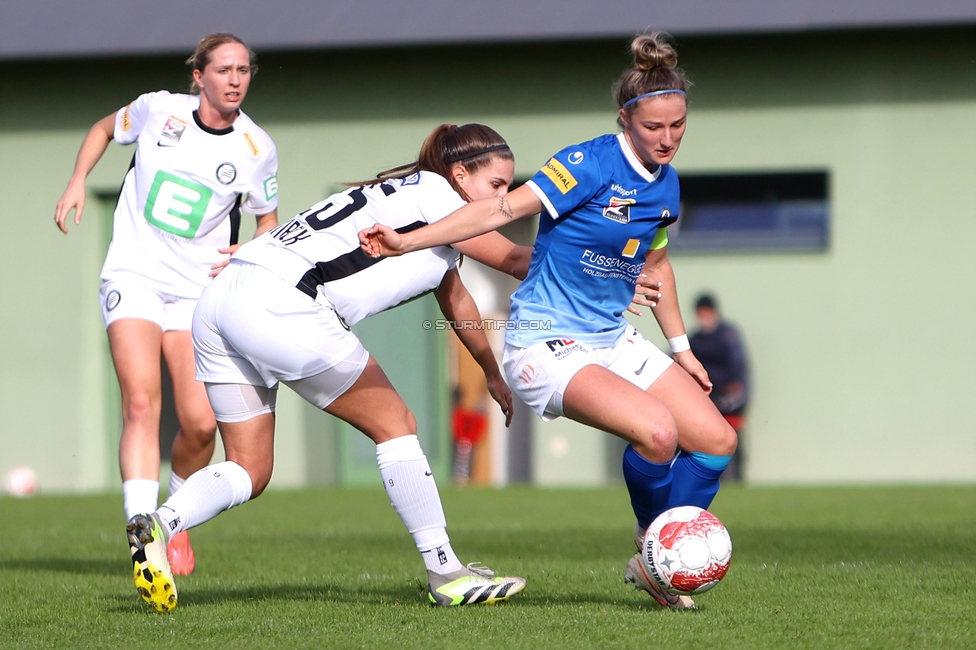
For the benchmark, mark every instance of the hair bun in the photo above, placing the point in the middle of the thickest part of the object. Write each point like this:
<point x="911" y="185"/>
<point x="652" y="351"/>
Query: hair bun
<point x="655" y="71"/>
<point x="653" y="51"/>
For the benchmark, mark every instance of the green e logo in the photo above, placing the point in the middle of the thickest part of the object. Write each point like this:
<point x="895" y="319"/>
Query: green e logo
<point x="177" y="205"/>
<point x="271" y="187"/>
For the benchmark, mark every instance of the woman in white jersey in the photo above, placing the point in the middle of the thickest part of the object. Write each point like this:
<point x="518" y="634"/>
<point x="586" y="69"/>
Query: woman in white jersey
<point x="281" y="312"/>
<point x="605" y="208"/>
<point x="176" y="224"/>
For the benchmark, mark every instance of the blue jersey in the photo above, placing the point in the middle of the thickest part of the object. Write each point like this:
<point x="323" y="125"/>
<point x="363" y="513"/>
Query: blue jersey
<point x="603" y="210"/>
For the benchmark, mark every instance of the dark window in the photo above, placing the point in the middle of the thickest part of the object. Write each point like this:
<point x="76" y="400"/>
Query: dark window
<point x="752" y="212"/>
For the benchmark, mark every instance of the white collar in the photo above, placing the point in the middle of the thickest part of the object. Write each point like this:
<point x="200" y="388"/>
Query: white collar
<point x="635" y="161"/>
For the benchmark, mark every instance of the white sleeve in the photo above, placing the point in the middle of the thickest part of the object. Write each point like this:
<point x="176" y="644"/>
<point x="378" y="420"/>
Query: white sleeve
<point x="131" y="120"/>
<point x="438" y="199"/>
<point x="262" y="195"/>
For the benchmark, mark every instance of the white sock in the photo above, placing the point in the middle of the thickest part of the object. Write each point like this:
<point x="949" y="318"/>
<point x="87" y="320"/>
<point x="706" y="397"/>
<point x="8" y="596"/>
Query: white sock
<point x="413" y="494"/>
<point x="175" y="483"/>
<point x="140" y="496"/>
<point x="205" y="495"/>
<point x="441" y="559"/>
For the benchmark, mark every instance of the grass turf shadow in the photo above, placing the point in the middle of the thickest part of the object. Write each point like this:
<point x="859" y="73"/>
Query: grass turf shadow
<point x="68" y="565"/>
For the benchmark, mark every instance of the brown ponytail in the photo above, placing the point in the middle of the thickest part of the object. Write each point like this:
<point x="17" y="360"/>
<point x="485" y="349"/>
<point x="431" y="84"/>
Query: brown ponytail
<point x="471" y="145"/>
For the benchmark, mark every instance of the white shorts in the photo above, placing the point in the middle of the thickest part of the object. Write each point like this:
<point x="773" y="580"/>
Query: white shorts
<point x="252" y="327"/>
<point x="122" y="299"/>
<point x="539" y="374"/>
<point x="241" y="402"/>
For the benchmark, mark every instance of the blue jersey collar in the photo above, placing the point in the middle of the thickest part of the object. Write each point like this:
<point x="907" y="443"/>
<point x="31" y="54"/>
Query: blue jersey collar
<point x="635" y="161"/>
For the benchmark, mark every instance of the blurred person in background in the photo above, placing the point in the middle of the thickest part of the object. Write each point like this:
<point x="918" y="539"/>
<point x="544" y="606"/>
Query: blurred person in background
<point x="199" y="159"/>
<point x="719" y="347"/>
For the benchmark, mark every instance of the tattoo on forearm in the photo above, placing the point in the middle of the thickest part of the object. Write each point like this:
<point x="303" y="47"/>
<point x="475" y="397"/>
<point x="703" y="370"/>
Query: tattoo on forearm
<point x="505" y="208"/>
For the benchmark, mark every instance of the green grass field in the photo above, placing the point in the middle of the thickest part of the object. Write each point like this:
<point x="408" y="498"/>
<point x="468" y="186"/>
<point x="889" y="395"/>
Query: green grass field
<point x="812" y="568"/>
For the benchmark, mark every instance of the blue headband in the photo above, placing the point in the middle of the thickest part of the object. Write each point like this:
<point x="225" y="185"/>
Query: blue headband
<point x="653" y="94"/>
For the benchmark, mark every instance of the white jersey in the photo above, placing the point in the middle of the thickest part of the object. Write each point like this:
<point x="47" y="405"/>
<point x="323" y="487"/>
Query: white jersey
<point x="181" y="198"/>
<point x="318" y="251"/>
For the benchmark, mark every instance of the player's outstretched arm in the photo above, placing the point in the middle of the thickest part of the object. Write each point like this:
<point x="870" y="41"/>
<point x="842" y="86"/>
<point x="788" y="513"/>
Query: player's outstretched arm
<point x="92" y="149"/>
<point x="475" y="218"/>
<point x="497" y="251"/>
<point x="657" y="269"/>
<point x="462" y="311"/>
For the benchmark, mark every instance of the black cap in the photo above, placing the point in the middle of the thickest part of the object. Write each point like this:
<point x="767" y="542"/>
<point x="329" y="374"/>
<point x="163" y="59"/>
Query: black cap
<point x="706" y="301"/>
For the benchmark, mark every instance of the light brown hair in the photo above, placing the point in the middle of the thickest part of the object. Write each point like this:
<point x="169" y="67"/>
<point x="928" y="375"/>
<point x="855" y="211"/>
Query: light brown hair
<point x="201" y="56"/>
<point x="655" y="69"/>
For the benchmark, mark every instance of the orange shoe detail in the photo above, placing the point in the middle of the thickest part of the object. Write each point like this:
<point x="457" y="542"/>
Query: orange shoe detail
<point x="180" y="554"/>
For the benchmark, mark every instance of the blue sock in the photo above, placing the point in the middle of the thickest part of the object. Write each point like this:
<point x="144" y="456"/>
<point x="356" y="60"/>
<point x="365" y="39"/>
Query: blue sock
<point x="649" y="485"/>
<point x="696" y="479"/>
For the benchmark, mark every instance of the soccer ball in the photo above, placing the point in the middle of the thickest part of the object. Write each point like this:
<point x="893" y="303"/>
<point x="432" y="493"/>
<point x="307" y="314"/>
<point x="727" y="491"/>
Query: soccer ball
<point x="20" y="482"/>
<point x="686" y="550"/>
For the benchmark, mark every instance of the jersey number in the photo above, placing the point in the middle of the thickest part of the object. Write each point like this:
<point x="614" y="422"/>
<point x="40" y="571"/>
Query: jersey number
<point x="357" y="201"/>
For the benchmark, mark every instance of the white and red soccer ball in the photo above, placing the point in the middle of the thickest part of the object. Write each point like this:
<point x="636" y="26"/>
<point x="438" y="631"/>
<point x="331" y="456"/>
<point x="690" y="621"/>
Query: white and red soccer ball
<point x="686" y="550"/>
<point x="20" y="482"/>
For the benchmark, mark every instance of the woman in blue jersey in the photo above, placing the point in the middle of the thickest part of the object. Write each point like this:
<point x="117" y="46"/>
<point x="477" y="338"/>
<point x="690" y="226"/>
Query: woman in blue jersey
<point x="605" y="206"/>
<point x="281" y="312"/>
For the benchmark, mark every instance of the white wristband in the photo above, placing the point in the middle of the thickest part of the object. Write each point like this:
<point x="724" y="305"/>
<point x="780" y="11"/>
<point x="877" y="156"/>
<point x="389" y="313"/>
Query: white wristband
<point x="679" y="344"/>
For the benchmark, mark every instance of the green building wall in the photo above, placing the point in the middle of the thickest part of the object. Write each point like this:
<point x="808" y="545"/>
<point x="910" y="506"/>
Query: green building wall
<point x="861" y="355"/>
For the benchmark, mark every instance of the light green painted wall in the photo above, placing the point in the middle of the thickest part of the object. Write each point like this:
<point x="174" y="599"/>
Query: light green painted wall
<point x="52" y="373"/>
<point x="861" y="355"/>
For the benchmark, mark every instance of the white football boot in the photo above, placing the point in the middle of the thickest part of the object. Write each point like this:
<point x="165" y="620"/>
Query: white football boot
<point x="637" y="576"/>
<point x="471" y="585"/>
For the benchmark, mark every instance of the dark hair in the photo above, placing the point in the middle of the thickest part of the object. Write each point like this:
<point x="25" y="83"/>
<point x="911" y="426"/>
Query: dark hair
<point x="655" y="68"/>
<point x="201" y="56"/>
<point x="471" y="145"/>
<point x="706" y="301"/>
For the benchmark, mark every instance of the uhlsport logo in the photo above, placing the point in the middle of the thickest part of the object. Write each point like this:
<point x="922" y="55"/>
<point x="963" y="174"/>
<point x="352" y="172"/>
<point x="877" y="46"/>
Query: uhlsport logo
<point x="575" y="158"/>
<point x="559" y="175"/>
<point x="623" y="191"/>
